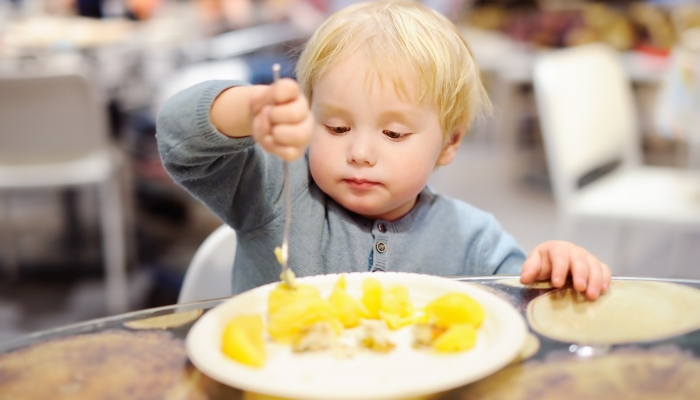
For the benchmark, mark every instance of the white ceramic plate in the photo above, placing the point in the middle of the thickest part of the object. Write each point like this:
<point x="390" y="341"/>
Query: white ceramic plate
<point x="404" y="372"/>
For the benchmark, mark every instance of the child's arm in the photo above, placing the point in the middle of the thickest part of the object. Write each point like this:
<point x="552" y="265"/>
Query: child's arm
<point x="206" y="138"/>
<point x="555" y="259"/>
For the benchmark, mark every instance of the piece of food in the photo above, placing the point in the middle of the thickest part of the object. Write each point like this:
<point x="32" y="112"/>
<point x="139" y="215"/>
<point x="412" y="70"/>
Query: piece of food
<point x="395" y="301"/>
<point x="349" y="309"/>
<point x="289" y="321"/>
<point x="425" y="334"/>
<point x="458" y="337"/>
<point x="283" y="294"/>
<point x="243" y="340"/>
<point x="279" y="255"/>
<point x="287" y="274"/>
<point x="455" y="308"/>
<point x="320" y="336"/>
<point x="376" y="337"/>
<point x="396" y="307"/>
<point x="372" y="297"/>
<point x="421" y="317"/>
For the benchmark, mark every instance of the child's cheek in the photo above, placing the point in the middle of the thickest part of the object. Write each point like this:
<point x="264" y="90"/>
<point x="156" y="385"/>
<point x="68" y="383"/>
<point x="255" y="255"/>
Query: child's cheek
<point x="412" y="177"/>
<point x="319" y="163"/>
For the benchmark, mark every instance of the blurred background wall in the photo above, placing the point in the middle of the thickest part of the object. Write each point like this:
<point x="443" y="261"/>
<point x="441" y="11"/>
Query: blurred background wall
<point x="137" y="53"/>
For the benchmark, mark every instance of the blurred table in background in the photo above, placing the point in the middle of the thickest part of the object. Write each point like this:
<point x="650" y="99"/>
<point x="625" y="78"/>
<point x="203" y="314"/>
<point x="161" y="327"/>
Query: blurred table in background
<point x="142" y="354"/>
<point x="43" y="32"/>
<point x="125" y="59"/>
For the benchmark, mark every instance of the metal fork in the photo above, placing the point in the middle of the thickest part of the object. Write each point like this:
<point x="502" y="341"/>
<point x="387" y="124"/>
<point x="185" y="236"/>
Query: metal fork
<point x="287" y="274"/>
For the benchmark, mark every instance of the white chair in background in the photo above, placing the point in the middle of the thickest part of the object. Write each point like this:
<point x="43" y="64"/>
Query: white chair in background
<point x="54" y="134"/>
<point x="209" y="273"/>
<point x="588" y="120"/>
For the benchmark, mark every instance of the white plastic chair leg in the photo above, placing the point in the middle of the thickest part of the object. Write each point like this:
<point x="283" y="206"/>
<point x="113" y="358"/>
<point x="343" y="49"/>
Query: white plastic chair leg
<point x="113" y="245"/>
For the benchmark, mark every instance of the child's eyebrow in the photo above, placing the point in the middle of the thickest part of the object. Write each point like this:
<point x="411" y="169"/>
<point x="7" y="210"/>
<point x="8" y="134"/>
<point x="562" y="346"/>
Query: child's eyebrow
<point x="397" y="115"/>
<point x="326" y="108"/>
<point x="400" y="115"/>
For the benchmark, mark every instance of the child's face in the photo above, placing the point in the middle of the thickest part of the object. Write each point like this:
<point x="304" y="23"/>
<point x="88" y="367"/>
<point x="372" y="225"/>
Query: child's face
<point x="372" y="150"/>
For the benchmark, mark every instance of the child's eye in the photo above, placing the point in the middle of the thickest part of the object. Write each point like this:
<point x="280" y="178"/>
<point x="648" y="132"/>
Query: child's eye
<point x="337" y="130"/>
<point x="395" y="135"/>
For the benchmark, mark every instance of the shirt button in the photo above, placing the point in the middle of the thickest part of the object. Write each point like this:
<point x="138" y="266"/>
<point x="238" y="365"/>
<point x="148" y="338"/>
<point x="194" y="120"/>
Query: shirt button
<point x="381" y="247"/>
<point x="381" y="228"/>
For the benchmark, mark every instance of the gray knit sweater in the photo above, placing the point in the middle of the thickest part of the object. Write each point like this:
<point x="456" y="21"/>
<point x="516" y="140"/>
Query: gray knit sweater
<point x="241" y="184"/>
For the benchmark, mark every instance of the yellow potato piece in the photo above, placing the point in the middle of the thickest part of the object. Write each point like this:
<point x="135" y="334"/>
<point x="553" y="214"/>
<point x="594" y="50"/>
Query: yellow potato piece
<point x="279" y="255"/>
<point x="372" y="297"/>
<point x="243" y="340"/>
<point x="282" y="295"/>
<point x="340" y="283"/>
<point x="396" y="307"/>
<point x="395" y="321"/>
<point x="289" y="320"/>
<point x="349" y="309"/>
<point x="457" y="338"/>
<point x="421" y="317"/>
<point x="455" y="308"/>
<point x="396" y="301"/>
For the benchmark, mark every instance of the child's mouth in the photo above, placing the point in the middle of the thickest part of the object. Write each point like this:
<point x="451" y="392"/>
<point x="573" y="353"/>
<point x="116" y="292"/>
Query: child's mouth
<point x="360" y="184"/>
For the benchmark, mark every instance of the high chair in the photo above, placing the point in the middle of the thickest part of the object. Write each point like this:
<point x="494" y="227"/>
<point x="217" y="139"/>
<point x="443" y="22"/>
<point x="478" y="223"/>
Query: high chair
<point x="209" y="274"/>
<point x="589" y="127"/>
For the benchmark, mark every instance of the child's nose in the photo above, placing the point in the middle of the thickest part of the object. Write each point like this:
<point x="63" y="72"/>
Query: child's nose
<point x="361" y="151"/>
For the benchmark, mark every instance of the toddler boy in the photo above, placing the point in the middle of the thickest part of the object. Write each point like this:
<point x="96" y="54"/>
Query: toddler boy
<point x="386" y="91"/>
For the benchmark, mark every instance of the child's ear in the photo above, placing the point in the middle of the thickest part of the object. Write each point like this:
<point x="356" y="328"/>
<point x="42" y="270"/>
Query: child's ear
<point x="450" y="149"/>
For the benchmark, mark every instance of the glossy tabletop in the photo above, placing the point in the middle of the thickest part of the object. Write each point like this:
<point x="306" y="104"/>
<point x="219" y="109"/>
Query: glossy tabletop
<point x="135" y="356"/>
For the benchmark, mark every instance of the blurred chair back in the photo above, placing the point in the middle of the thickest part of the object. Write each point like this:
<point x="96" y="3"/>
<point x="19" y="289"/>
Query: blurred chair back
<point x="587" y="114"/>
<point x="49" y="119"/>
<point x="589" y="125"/>
<point x="53" y="134"/>
<point x="209" y="273"/>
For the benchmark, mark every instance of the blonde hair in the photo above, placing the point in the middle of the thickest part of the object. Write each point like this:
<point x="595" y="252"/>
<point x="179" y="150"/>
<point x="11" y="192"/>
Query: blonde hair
<point x="394" y="35"/>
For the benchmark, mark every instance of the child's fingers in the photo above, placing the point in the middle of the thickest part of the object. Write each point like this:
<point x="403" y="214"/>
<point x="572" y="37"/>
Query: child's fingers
<point x="531" y="268"/>
<point x="607" y="276"/>
<point x="579" y="272"/>
<point x="291" y="135"/>
<point x="560" y="260"/>
<point x="262" y="130"/>
<point x="285" y="90"/>
<point x="286" y="153"/>
<point x="290" y="113"/>
<point x="289" y="153"/>
<point x="264" y="97"/>
<point x="595" y="280"/>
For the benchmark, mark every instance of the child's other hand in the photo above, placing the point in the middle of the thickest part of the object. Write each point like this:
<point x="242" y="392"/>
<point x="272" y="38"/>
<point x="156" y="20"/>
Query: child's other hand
<point x="555" y="259"/>
<point x="282" y="121"/>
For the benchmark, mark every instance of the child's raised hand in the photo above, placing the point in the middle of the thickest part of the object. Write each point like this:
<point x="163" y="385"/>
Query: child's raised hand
<point x="282" y="121"/>
<point x="555" y="259"/>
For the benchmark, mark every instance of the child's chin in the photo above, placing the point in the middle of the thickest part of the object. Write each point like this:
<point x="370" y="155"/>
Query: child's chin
<point x="365" y="209"/>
